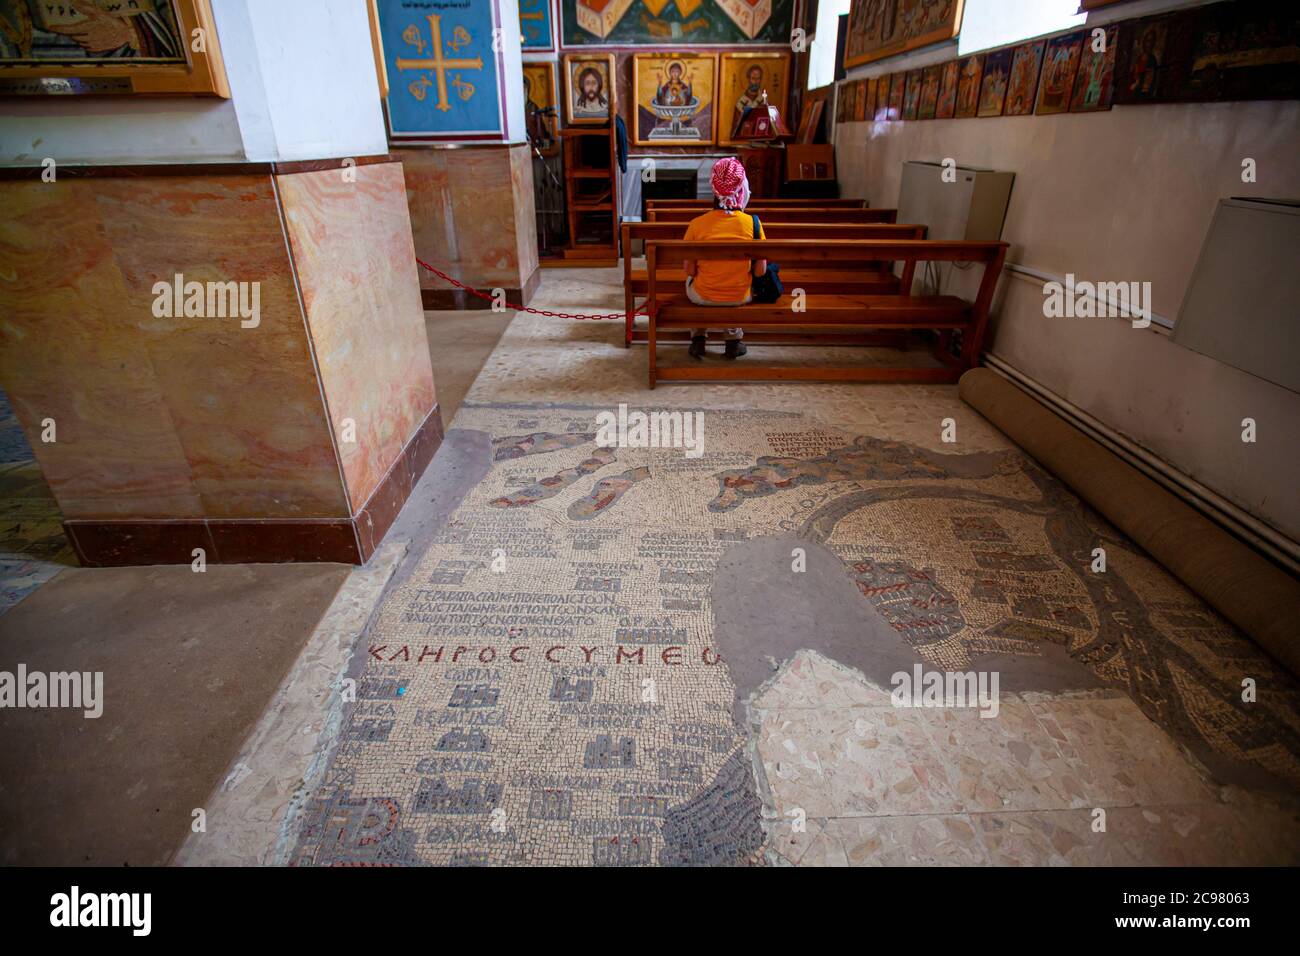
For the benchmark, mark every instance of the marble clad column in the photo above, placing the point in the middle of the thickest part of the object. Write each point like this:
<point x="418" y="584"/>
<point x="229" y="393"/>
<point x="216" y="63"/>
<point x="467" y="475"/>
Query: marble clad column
<point x="293" y="435"/>
<point x="472" y="216"/>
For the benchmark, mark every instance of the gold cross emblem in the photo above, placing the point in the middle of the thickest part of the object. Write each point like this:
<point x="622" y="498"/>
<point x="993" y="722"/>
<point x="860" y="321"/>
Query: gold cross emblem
<point x="438" y="63"/>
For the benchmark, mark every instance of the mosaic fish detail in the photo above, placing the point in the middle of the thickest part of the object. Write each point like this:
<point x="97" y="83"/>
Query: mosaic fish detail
<point x="606" y="492"/>
<point x="549" y="487"/>
<point x="538" y="443"/>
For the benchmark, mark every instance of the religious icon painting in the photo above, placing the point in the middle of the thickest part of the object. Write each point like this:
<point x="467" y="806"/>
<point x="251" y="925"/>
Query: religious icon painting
<point x="441" y="67"/>
<point x="1234" y="51"/>
<point x="882" y="98"/>
<point x="876" y="29"/>
<point x="536" y="29"/>
<point x="867" y="103"/>
<point x="540" y="103"/>
<point x="645" y="24"/>
<point x="1022" y="83"/>
<point x="675" y="96"/>
<point x="110" y="46"/>
<point x="743" y="79"/>
<point x="810" y="121"/>
<point x="912" y="95"/>
<point x="1060" y="64"/>
<point x="970" y="72"/>
<point x="1238" y="51"/>
<point x="864" y="101"/>
<point x="946" y="106"/>
<point x="539" y="87"/>
<point x="993" y="87"/>
<point x="930" y="78"/>
<point x="1094" y="84"/>
<point x="588" y="88"/>
<point x="1145" y="66"/>
<point x="897" y="89"/>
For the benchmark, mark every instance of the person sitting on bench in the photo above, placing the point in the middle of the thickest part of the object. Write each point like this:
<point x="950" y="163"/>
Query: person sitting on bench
<point x="723" y="282"/>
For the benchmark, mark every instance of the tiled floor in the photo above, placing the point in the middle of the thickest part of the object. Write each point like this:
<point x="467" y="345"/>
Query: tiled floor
<point x="504" y="715"/>
<point x="596" y="655"/>
<point x="1054" y="779"/>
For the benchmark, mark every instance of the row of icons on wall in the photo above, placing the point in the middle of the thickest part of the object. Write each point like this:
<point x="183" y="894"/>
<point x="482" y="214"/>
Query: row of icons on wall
<point x="1226" y="51"/>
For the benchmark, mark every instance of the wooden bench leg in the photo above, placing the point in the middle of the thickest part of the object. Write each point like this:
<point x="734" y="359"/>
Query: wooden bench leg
<point x="652" y="349"/>
<point x="943" y="346"/>
<point x="628" y="306"/>
<point x="970" y="347"/>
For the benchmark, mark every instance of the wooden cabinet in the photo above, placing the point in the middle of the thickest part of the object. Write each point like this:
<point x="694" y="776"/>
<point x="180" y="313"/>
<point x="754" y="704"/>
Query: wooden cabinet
<point x="591" y="189"/>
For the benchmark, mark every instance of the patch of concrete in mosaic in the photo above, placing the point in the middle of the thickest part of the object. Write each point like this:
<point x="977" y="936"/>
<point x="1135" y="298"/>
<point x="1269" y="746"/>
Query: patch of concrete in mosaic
<point x="560" y="682"/>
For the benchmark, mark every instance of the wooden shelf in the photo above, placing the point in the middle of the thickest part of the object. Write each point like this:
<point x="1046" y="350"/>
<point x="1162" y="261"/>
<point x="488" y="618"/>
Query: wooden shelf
<point x="590" y="154"/>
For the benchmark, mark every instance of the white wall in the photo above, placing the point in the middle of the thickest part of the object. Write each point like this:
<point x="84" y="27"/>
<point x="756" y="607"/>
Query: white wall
<point x="303" y="86"/>
<point x="306" y="87"/>
<point x="512" y="69"/>
<point x="990" y="23"/>
<point x="1126" y="194"/>
<point x="821" y="53"/>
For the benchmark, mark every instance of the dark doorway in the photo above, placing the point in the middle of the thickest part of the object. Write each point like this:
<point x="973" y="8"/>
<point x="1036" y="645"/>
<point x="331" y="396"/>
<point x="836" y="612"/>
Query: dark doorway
<point x="669" y="184"/>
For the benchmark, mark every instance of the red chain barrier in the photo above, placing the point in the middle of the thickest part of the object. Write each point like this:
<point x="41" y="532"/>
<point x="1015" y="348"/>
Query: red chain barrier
<point x="521" y="308"/>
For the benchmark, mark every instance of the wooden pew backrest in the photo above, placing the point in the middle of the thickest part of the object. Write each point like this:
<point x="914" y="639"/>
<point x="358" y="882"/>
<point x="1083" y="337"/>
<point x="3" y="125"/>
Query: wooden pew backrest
<point x="670" y="252"/>
<point x="760" y="203"/>
<point x="786" y="214"/>
<point x="667" y="253"/>
<point x="944" y="314"/>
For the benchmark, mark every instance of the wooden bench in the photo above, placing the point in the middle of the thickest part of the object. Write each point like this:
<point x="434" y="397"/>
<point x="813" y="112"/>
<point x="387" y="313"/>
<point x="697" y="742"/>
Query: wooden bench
<point x="827" y="276"/>
<point x="785" y="214"/>
<point x="760" y="203"/>
<point x="669" y="307"/>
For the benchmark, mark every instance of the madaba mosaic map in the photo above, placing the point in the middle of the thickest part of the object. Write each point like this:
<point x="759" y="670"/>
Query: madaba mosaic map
<point x="594" y="717"/>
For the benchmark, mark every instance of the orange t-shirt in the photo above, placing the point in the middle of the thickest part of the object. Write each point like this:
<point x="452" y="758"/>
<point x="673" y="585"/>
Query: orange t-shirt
<point x="722" y="280"/>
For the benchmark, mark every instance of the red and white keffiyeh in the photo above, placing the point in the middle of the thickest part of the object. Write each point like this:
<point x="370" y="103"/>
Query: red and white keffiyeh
<point x="729" y="184"/>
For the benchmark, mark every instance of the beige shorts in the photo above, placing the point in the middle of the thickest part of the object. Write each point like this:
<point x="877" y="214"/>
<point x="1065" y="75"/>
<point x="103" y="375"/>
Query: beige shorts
<point x="734" y="333"/>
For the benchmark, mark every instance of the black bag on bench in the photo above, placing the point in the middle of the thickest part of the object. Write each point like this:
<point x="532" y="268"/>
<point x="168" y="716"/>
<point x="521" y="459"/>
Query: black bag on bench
<point x="766" y="288"/>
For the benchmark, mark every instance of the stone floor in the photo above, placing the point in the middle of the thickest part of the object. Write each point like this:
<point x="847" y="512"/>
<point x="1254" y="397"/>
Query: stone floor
<point x="460" y="342"/>
<point x="575" y="654"/>
<point x="33" y="548"/>
<point x="632" y="656"/>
